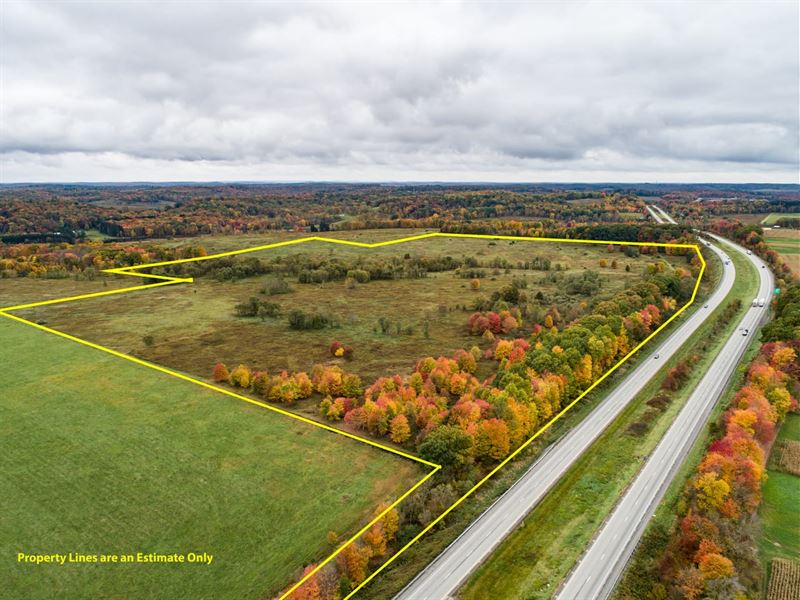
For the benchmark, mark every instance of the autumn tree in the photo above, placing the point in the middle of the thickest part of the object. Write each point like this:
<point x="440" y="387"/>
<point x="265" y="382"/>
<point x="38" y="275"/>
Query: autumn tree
<point x="355" y="559"/>
<point x="715" y="566"/>
<point x="240" y="376"/>
<point x="220" y="373"/>
<point x="711" y="491"/>
<point x="399" y="430"/>
<point x="309" y="589"/>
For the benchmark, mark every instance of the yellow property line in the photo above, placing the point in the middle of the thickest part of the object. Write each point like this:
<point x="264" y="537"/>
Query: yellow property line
<point x="168" y="280"/>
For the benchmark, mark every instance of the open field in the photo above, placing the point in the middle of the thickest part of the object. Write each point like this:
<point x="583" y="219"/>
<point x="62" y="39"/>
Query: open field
<point x="98" y="455"/>
<point x="193" y="326"/>
<point x="533" y="560"/>
<point x="780" y="522"/>
<point x="785" y="242"/>
<point x="771" y="218"/>
<point x="21" y="290"/>
<point x="750" y="218"/>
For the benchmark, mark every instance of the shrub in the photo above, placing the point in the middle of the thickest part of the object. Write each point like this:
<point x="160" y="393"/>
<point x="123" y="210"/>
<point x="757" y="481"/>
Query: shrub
<point x="220" y="373"/>
<point x="300" y="320"/>
<point x="240" y="376"/>
<point x="276" y="285"/>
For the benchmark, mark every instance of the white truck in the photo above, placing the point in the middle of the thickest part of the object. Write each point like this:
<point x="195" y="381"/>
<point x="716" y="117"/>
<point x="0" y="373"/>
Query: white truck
<point x="761" y="301"/>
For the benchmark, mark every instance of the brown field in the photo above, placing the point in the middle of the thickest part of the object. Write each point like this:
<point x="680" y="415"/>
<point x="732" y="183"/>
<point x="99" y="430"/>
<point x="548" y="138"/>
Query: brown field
<point x="751" y="218"/>
<point x="784" y="581"/>
<point x="789" y="458"/>
<point x="193" y="326"/>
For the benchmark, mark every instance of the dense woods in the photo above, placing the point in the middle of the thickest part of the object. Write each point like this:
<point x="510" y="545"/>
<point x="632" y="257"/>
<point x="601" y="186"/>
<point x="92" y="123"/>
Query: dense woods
<point x="156" y="212"/>
<point x="83" y="260"/>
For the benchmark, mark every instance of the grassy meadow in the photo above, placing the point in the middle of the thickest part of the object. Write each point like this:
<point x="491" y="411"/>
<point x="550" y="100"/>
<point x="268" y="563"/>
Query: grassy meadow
<point x="190" y="327"/>
<point x="772" y="218"/>
<point x="780" y="519"/>
<point x="99" y="455"/>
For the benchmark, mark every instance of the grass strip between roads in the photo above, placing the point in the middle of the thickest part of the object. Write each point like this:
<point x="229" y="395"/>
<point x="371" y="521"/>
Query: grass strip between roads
<point x="534" y="559"/>
<point x="656" y="535"/>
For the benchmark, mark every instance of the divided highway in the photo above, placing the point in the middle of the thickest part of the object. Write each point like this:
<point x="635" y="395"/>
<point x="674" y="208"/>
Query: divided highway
<point x="600" y="567"/>
<point x="447" y="572"/>
<point x="665" y="215"/>
<point x="654" y="213"/>
<point x="660" y="215"/>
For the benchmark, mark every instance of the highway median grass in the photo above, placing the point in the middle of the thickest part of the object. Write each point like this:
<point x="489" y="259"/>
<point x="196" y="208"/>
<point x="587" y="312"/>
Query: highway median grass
<point x="655" y="536"/>
<point x="533" y="560"/>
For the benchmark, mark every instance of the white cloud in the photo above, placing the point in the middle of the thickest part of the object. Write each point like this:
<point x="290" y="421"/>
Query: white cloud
<point x="573" y="91"/>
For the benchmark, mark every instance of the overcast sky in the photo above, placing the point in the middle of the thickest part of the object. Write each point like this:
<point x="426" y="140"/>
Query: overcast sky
<point x="581" y="91"/>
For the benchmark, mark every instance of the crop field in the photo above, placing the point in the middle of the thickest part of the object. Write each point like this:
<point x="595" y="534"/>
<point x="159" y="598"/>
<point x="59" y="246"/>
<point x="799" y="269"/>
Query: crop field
<point x="785" y="242"/>
<point x="773" y="217"/>
<point x="780" y="527"/>
<point x="389" y="323"/>
<point x="750" y="218"/>
<point x="789" y="457"/>
<point x="99" y="455"/>
<point x="784" y="582"/>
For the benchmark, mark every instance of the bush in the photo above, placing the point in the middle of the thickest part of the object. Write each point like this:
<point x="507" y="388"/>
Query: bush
<point x="276" y="285"/>
<point x="359" y="275"/>
<point x="257" y="308"/>
<point x="301" y="321"/>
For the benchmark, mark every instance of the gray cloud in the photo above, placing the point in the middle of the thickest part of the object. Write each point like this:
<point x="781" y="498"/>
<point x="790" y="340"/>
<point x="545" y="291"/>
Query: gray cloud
<point x="580" y="91"/>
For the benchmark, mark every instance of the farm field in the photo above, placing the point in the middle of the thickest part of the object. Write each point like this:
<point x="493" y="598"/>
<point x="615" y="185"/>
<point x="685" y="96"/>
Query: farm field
<point x="190" y="327"/>
<point x="98" y="455"/>
<point x="785" y="242"/>
<point x="780" y="524"/>
<point x="784" y="581"/>
<point x="773" y="217"/>
<point x="750" y="218"/>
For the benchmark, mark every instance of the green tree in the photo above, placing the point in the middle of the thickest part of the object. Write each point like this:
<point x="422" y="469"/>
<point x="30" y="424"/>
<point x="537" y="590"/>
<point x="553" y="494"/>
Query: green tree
<point x="448" y="446"/>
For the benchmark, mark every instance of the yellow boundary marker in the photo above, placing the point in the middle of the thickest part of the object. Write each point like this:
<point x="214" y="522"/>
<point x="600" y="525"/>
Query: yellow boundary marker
<point x="167" y="280"/>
